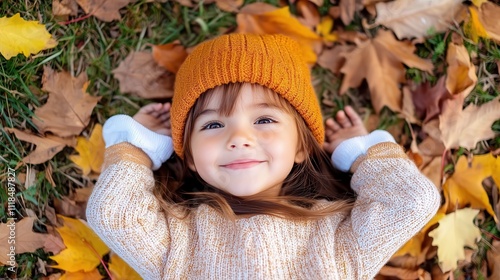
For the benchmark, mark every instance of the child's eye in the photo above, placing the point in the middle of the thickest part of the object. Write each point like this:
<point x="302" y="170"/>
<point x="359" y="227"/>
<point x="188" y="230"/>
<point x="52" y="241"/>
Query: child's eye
<point x="211" y="125"/>
<point x="265" y="120"/>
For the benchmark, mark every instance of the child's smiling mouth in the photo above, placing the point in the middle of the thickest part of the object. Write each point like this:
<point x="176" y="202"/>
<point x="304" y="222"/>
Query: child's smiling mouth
<point x="242" y="164"/>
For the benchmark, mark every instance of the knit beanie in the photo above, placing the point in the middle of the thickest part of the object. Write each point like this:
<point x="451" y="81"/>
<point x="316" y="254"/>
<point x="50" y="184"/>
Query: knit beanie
<point x="273" y="61"/>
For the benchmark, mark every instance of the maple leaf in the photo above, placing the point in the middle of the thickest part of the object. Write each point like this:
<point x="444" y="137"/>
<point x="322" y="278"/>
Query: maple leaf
<point x="68" y="109"/>
<point x="262" y="18"/>
<point x="380" y="61"/>
<point x="64" y="8"/>
<point x="229" y="5"/>
<point x="465" y="127"/>
<point x="82" y="275"/>
<point x="333" y="58"/>
<point x="121" y="270"/>
<point x="46" y="147"/>
<point x="21" y="36"/>
<point x="25" y="239"/>
<point x="91" y="152"/>
<point x="465" y="187"/>
<point x="324" y="29"/>
<point x="310" y="16"/>
<point x="461" y="73"/>
<point x="170" y="56"/>
<point x="104" y="10"/>
<point x="139" y="74"/>
<point x="493" y="257"/>
<point x="428" y="99"/>
<point x="415" y="18"/>
<point x="473" y="27"/>
<point x="83" y="247"/>
<point x="455" y="231"/>
<point x="347" y="10"/>
<point x="488" y="16"/>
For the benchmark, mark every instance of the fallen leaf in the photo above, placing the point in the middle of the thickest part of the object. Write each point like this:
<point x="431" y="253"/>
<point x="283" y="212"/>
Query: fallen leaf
<point x="262" y="18"/>
<point x="488" y="15"/>
<point x="82" y="275"/>
<point x="309" y="13"/>
<point x="54" y="244"/>
<point x="68" y="109"/>
<point x="64" y="8"/>
<point x="22" y="36"/>
<point x="464" y="128"/>
<point x="417" y="18"/>
<point x="333" y="58"/>
<point x="46" y="147"/>
<point x="493" y="257"/>
<point x="432" y="170"/>
<point x="428" y="100"/>
<point x="170" y="56"/>
<point x="91" y="152"/>
<point x="412" y="247"/>
<point x="229" y="5"/>
<point x="473" y="27"/>
<point x="140" y="75"/>
<point x="380" y="61"/>
<point x="465" y="187"/>
<point x="121" y="270"/>
<point x="407" y="107"/>
<point x="347" y="10"/>
<point x="26" y="240"/>
<point x="104" y="10"/>
<point x="81" y="247"/>
<point x="324" y="28"/>
<point x="461" y="73"/>
<point x="455" y="231"/>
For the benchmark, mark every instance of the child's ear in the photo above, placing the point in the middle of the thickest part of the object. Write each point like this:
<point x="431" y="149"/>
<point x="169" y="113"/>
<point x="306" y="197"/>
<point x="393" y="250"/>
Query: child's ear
<point x="191" y="166"/>
<point x="300" y="156"/>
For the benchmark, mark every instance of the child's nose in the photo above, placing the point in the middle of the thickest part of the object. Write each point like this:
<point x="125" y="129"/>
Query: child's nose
<point x="240" y="138"/>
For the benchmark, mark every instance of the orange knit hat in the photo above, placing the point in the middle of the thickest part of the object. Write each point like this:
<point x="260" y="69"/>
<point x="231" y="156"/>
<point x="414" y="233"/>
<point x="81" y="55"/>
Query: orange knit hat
<point x="272" y="61"/>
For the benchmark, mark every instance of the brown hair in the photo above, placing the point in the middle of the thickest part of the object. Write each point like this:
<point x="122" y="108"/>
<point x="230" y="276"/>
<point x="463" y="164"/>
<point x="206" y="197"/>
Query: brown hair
<point x="308" y="181"/>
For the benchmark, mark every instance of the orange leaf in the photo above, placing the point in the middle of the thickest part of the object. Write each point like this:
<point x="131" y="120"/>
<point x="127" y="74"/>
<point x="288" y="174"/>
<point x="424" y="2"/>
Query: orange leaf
<point x="91" y="151"/>
<point x="261" y="18"/>
<point x="229" y="5"/>
<point x="121" y="270"/>
<point x="104" y="10"/>
<point x="82" y="275"/>
<point x="170" y="56"/>
<point x="461" y="73"/>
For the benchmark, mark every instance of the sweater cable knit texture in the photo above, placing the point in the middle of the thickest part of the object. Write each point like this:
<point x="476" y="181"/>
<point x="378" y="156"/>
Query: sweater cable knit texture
<point x="394" y="202"/>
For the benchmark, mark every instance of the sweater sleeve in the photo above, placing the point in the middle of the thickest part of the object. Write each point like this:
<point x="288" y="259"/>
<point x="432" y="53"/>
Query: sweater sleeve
<point x="395" y="200"/>
<point x="125" y="214"/>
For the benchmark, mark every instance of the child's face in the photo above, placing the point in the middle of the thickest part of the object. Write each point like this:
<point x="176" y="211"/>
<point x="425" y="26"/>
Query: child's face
<point x="249" y="152"/>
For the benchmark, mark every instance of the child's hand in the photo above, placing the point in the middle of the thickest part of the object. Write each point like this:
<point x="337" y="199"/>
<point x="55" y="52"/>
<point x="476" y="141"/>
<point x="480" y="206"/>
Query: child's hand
<point x="156" y="117"/>
<point x="348" y="124"/>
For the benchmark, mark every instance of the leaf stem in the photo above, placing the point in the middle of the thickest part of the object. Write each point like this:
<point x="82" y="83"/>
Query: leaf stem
<point x="98" y="256"/>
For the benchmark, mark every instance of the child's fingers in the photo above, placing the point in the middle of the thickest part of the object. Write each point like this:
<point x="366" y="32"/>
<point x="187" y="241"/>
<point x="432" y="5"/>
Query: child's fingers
<point x="343" y="120"/>
<point x="150" y="108"/>
<point x="353" y="116"/>
<point x="331" y="126"/>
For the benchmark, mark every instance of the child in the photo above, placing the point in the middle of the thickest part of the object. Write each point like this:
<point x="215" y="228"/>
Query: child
<point x="255" y="198"/>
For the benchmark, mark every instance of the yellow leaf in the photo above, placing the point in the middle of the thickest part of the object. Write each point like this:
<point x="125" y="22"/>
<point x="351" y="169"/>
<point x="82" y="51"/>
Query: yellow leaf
<point x="455" y="231"/>
<point x="478" y="3"/>
<point x="473" y="27"/>
<point x="20" y="36"/>
<point x="91" y="152"/>
<point x="324" y="28"/>
<point x="413" y="247"/>
<point x="465" y="187"/>
<point x="82" y="275"/>
<point x="121" y="270"/>
<point x="83" y="247"/>
<point x="262" y="18"/>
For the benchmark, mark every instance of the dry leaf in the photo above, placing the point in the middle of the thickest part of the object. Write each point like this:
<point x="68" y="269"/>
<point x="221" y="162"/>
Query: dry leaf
<point x="464" y="128"/>
<point x="262" y="18"/>
<point x="91" y="152"/>
<point x="81" y="244"/>
<point x="473" y="27"/>
<point x="170" y="56"/>
<point x="229" y="5"/>
<point x="461" y="73"/>
<point x="107" y="10"/>
<point x="380" y="62"/>
<point x="465" y="187"/>
<point x="64" y="8"/>
<point x="54" y="244"/>
<point x="22" y="36"/>
<point x="121" y="270"/>
<point x="309" y="13"/>
<point x="82" y="275"/>
<point x="455" y="231"/>
<point x="432" y="170"/>
<point x="347" y="10"/>
<point x="416" y="18"/>
<point x="68" y="109"/>
<point x="333" y="59"/>
<point x="488" y="15"/>
<point x="429" y="100"/>
<point x="493" y="256"/>
<point x="412" y="247"/>
<point x="140" y="75"/>
<point x="324" y="28"/>
<point x="46" y="147"/>
<point x="25" y="239"/>
<point x="398" y="272"/>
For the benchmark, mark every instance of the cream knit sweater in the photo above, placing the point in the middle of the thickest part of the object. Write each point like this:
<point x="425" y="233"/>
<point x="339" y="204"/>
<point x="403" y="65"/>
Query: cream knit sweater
<point x="394" y="202"/>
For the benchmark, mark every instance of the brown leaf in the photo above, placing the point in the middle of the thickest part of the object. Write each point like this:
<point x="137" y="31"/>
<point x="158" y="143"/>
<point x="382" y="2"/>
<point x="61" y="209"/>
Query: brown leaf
<point x="186" y="3"/>
<point x="46" y="147"/>
<point x="493" y="257"/>
<point x="262" y="18"/>
<point x="428" y="100"/>
<point x="461" y="73"/>
<point x="347" y="10"/>
<point x="333" y="59"/>
<point x="64" y="8"/>
<point x="68" y="109"/>
<point x="400" y="273"/>
<point x="488" y="15"/>
<point x="464" y="128"/>
<point x="431" y="147"/>
<point x="380" y="62"/>
<point x="415" y="18"/>
<point x="309" y="13"/>
<point x="408" y="108"/>
<point x="140" y="75"/>
<point x="432" y="170"/>
<point x="229" y="5"/>
<point x="54" y="243"/>
<point x="170" y="56"/>
<point x="107" y="10"/>
<point x="26" y="240"/>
